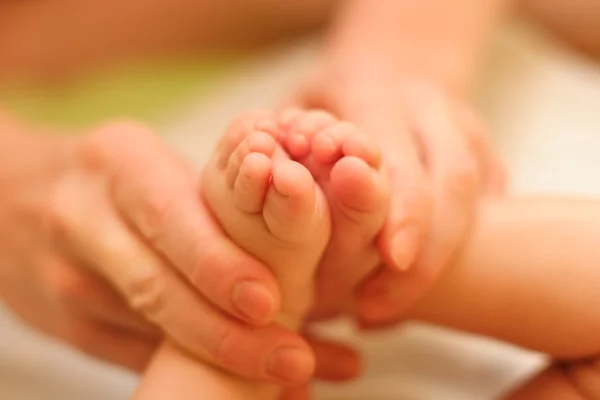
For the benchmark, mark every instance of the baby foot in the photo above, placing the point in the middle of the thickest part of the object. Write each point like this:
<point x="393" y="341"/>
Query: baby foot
<point x="347" y="165"/>
<point x="270" y="206"/>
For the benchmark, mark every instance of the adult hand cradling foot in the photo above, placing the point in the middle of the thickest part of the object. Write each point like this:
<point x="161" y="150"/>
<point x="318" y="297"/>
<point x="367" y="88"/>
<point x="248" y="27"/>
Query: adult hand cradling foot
<point x="108" y="235"/>
<point x="284" y="213"/>
<point x="379" y="72"/>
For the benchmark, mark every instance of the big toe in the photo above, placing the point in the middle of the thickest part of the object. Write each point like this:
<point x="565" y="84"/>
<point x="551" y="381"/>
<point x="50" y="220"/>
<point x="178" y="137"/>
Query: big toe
<point x="360" y="194"/>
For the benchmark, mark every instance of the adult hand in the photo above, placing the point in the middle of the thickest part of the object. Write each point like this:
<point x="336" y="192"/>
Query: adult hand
<point x="440" y="163"/>
<point x="107" y="245"/>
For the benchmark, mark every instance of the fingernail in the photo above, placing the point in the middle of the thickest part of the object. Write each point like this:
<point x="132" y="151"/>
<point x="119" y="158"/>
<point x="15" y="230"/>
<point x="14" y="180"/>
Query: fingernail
<point x="254" y="300"/>
<point x="404" y="247"/>
<point x="291" y="364"/>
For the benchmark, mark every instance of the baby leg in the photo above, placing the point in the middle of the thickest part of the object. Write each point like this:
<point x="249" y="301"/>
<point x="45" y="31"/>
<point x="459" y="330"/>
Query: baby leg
<point x="530" y="275"/>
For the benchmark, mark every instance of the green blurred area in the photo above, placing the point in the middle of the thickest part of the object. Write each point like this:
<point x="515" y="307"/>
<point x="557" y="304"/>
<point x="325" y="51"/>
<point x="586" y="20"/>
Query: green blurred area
<point x="147" y="92"/>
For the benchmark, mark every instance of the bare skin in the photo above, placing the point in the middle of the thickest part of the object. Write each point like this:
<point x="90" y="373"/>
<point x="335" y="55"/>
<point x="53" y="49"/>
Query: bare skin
<point x="55" y="39"/>
<point x="378" y="72"/>
<point x="178" y="27"/>
<point x="556" y="240"/>
<point x="107" y="242"/>
<point x="543" y="254"/>
<point x="573" y="22"/>
<point x="552" y="278"/>
<point x="73" y="285"/>
<point x="274" y="209"/>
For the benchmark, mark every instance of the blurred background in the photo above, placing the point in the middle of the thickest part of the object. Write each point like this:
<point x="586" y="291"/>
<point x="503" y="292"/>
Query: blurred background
<point x="540" y="96"/>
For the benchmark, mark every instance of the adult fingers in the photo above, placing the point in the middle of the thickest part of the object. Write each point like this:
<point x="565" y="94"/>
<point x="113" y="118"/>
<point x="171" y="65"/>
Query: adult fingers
<point x="159" y="197"/>
<point x="158" y="292"/>
<point x="116" y="346"/>
<point x="120" y="316"/>
<point x="408" y="222"/>
<point x="86" y="294"/>
<point x="379" y="304"/>
<point x="299" y="393"/>
<point x="454" y="180"/>
<point x="270" y="353"/>
<point x="335" y="361"/>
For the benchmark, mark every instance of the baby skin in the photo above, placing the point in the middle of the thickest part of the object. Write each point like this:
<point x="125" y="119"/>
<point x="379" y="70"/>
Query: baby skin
<point x="273" y="207"/>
